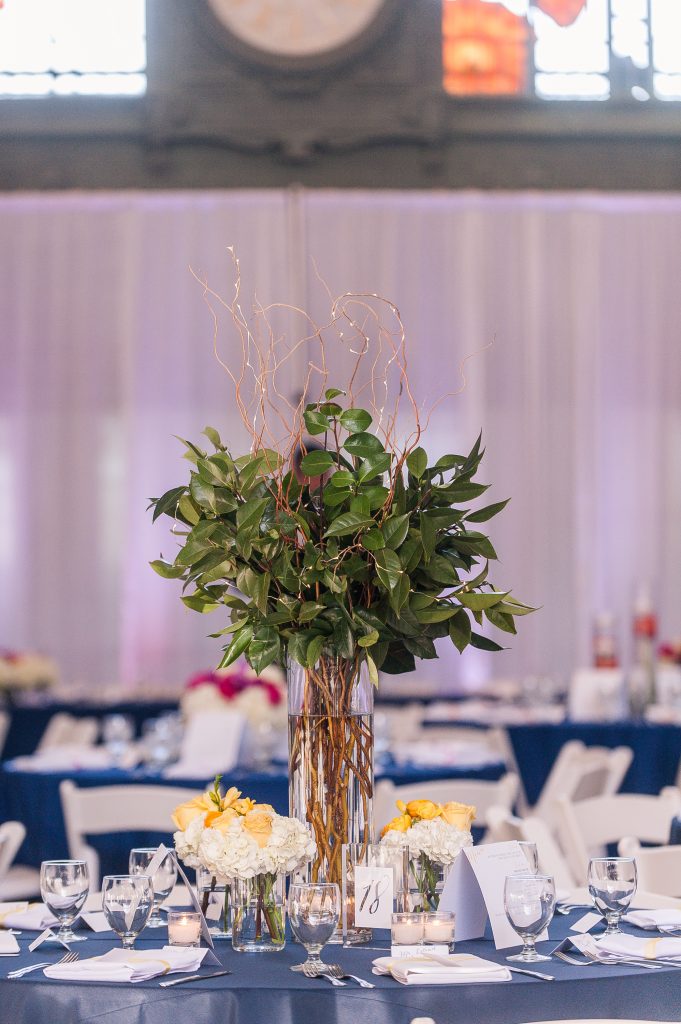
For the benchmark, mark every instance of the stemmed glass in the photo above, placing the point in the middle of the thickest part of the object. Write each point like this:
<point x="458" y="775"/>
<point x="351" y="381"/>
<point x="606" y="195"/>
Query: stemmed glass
<point x="529" y="902"/>
<point x="118" y="732"/>
<point x="127" y="901"/>
<point x="313" y="911"/>
<point x="64" y="885"/>
<point x="612" y="884"/>
<point x="163" y="879"/>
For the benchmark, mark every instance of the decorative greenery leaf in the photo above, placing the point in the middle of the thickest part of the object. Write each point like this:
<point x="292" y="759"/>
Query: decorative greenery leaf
<point x="213" y="437"/>
<point x="341" y="478"/>
<point x="395" y="530"/>
<point x="388" y="568"/>
<point x="314" y="650"/>
<point x="199" y="603"/>
<point x="348" y="522"/>
<point x="460" y="631"/>
<point x="483" y="643"/>
<point x="483" y="514"/>
<point x="167" y="503"/>
<point x="501" y="620"/>
<point x="316" y="422"/>
<point x="438" y="614"/>
<point x="263" y="649"/>
<point x="420" y="646"/>
<point x="316" y="463"/>
<point x="363" y="445"/>
<point x="374" y="465"/>
<point x="237" y="647"/>
<point x="513" y="607"/>
<point x="373" y="670"/>
<point x="166" y="570"/>
<point x="355" y="420"/>
<point x="309" y="610"/>
<point x="249" y="514"/>
<point x="399" y="596"/>
<point x="479" y="602"/>
<point x="202" y="493"/>
<point x="369" y="639"/>
<point x="441" y="570"/>
<point x="332" y="393"/>
<point x="373" y="540"/>
<point x="417" y="462"/>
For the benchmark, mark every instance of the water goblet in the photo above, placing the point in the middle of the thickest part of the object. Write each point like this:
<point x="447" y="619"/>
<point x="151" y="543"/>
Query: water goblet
<point x="163" y="880"/>
<point x="64" y="885"/>
<point x="612" y="884"/>
<point x="529" y="902"/>
<point x="118" y="732"/>
<point x="314" y="911"/>
<point x="127" y="901"/>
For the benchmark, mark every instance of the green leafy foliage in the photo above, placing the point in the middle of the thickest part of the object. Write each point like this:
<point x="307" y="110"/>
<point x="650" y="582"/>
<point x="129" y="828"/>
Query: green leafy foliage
<point x="374" y="552"/>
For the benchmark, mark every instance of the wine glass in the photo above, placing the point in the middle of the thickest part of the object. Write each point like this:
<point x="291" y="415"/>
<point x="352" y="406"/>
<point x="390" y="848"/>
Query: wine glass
<point x="64" y="885"/>
<point x="127" y="901"/>
<point x="163" y="879"/>
<point x="612" y="884"/>
<point x="531" y="856"/>
<point x="529" y="902"/>
<point x="314" y="911"/>
<point x="118" y="732"/>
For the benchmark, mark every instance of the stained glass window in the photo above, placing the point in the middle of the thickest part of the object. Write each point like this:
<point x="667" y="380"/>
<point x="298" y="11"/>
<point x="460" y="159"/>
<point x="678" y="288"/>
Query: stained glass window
<point x="68" y="47"/>
<point x="563" y="49"/>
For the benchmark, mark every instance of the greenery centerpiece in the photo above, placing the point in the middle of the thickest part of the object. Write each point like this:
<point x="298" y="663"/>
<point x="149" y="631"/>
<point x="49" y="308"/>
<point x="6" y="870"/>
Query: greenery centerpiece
<point x="337" y="551"/>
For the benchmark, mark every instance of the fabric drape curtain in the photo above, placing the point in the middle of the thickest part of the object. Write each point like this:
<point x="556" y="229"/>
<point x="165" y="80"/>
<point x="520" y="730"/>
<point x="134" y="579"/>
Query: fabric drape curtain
<point x="567" y="304"/>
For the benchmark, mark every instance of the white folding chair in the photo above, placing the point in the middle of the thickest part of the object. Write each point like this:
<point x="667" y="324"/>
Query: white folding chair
<point x="106" y="809"/>
<point x="658" y="867"/>
<point x="4" y="728"/>
<point x="16" y="881"/>
<point x="64" y="729"/>
<point x="586" y="827"/>
<point x="580" y="773"/>
<point x="479" y="792"/>
<point x="503" y="826"/>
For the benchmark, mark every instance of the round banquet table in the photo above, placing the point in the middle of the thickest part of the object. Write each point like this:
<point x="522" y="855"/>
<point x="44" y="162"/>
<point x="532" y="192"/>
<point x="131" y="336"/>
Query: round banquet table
<point x="33" y="798"/>
<point x="261" y="989"/>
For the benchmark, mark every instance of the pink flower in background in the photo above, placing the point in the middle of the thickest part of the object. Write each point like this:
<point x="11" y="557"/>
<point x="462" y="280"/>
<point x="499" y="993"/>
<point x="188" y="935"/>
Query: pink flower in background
<point x="239" y="677"/>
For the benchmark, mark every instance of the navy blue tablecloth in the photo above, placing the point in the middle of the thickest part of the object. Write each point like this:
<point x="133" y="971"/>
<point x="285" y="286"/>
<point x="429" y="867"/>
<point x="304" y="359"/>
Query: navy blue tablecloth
<point x="33" y="798"/>
<point x="261" y="989"/>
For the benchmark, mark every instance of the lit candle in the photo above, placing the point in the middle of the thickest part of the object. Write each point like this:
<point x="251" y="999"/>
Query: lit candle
<point x="407" y="929"/>
<point x="439" y="927"/>
<point x="184" y="928"/>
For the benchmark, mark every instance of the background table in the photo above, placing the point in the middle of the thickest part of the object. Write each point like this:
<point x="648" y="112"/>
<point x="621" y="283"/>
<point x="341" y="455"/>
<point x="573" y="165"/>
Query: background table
<point x="33" y="798"/>
<point x="262" y="989"/>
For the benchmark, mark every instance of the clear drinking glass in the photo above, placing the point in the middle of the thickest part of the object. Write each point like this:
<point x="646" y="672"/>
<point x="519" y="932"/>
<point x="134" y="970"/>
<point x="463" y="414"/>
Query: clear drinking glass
<point x="529" y="902"/>
<point x="163" y="879"/>
<point x="127" y="901"/>
<point x="64" y="885"/>
<point x="612" y="884"/>
<point x="531" y="856"/>
<point x="118" y="732"/>
<point x="314" y="911"/>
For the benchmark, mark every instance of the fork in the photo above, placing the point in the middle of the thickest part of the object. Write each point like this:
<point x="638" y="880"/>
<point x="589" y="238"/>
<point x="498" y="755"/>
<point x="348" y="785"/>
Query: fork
<point x="68" y="958"/>
<point x="336" y="971"/>
<point x="573" y="960"/>
<point x="314" y="972"/>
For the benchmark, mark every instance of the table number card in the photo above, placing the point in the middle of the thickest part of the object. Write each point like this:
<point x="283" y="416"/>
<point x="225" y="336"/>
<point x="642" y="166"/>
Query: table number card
<point x="374" y="896"/>
<point x="210" y="957"/>
<point x="474" y="890"/>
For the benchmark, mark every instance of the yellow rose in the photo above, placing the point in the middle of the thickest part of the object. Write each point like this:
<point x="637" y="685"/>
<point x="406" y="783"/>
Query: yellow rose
<point x="244" y="805"/>
<point x="258" y="824"/>
<point x="461" y="815"/>
<point x="399" y="824"/>
<point x="220" y="821"/>
<point x="424" y="809"/>
<point x="230" y="797"/>
<point x="263" y="807"/>
<point x="185" y="813"/>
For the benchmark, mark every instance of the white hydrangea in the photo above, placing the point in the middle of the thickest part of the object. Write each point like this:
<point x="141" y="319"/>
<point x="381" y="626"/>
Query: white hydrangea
<point x="438" y="840"/>
<point x="234" y="853"/>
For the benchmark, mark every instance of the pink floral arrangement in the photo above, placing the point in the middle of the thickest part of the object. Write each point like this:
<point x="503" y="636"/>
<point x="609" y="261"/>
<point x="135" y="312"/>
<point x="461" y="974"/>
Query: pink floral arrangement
<point x="234" y="680"/>
<point x="258" y="698"/>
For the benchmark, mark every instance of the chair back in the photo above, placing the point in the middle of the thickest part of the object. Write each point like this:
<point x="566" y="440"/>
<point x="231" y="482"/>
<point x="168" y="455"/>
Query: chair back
<point x="504" y="826"/>
<point x="4" y="727"/>
<point x="481" y="793"/>
<point x="104" y="809"/>
<point x="12" y="835"/>
<point x="581" y="773"/>
<point x="658" y="867"/>
<point x="586" y="827"/>
<point x="64" y="729"/>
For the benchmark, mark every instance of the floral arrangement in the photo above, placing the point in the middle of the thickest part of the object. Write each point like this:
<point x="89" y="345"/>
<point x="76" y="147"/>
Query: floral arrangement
<point x="235" y="838"/>
<point x="435" y="835"/>
<point x="260" y="699"/>
<point x="26" y="671"/>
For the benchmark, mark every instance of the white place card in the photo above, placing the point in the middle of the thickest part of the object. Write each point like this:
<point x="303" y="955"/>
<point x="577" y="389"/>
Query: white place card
<point x="433" y="949"/>
<point x="586" y="923"/>
<point x="474" y="890"/>
<point x="48" y="936"/>
<point x="374" y="895"/>
<point x="210" y="957"/>
<point x="96" y="920"/>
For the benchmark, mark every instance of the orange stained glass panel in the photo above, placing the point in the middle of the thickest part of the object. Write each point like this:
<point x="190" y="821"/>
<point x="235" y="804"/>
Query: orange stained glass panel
<point x="485" y="48"/>
<point x="563" y="12"/>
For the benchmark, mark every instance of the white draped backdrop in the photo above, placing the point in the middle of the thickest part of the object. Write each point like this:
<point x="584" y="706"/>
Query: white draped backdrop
<point x="106" y="353"/>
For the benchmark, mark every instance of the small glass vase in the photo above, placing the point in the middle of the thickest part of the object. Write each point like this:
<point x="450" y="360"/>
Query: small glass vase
<point x="215" y="898"/>
<point x="426" y="882"/>
<point x="258" y="918"/>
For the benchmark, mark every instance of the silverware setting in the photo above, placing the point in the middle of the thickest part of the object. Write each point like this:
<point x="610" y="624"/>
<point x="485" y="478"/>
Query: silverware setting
<point x="192" y="977"/>
<point x="335" y="974"/>
<point x="68" y="958"/>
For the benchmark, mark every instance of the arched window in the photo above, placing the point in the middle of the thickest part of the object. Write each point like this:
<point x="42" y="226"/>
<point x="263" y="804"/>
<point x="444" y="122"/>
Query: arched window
<point x="70" y="47"/>
<point x="625" y="50"/>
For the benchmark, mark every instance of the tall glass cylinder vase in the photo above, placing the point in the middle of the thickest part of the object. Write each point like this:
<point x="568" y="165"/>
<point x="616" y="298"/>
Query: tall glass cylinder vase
<point x="331" y="777"/>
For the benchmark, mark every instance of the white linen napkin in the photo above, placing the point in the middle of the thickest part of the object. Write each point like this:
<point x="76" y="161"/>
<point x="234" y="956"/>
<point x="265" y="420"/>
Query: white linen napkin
<point x="130" y="965"/>
<point x="646" y="949"/>
<point x="654" y="918"/>
<point x="32" y="917"/>
<point x="8" y="944"/>
<point x="69" y="757"/>
<point x="455" y="969"/>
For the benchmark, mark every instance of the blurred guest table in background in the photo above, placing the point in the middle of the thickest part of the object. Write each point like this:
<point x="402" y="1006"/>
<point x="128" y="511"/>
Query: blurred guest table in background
<point x="33" y="798"/>
<point x="258" y="991"/>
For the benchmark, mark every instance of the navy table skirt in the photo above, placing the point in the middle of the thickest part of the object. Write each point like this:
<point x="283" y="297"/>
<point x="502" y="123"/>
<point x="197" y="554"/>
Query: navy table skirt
<point x="261" y="989"/>
<point x="33" y="798"/>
